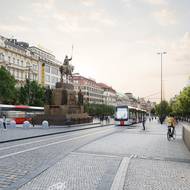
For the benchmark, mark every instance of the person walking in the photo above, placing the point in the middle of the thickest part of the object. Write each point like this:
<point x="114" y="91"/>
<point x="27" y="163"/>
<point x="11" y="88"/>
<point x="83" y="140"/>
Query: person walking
<point x="4" y="122"/>
<point x="143" y="122"/>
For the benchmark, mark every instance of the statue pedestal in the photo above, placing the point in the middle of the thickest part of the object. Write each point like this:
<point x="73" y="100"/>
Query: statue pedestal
<point x="64" y="109"/>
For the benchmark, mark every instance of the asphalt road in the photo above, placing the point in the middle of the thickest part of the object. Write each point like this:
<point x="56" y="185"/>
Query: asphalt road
<point x="21" y="161"/>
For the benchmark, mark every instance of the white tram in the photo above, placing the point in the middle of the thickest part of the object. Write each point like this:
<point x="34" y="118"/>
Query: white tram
<point x="127" y="115"/>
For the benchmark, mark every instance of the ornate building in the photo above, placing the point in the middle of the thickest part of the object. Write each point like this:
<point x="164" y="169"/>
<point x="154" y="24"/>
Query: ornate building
<point x="25" y="62"/>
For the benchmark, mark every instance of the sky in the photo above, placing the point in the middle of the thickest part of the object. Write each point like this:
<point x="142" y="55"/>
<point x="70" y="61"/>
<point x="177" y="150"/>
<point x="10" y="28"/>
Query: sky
<point x="115" y="41"/>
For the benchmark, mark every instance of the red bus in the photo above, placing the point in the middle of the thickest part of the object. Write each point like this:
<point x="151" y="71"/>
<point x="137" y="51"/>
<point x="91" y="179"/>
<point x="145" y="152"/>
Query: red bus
<point x="20" y="113"/>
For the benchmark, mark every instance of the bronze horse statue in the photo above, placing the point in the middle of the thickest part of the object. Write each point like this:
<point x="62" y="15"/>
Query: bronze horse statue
<point x="66" y="69"/>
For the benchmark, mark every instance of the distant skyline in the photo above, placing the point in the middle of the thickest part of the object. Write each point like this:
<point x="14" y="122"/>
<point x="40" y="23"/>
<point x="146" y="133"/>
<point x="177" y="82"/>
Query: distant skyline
<point x="115" y="41"/>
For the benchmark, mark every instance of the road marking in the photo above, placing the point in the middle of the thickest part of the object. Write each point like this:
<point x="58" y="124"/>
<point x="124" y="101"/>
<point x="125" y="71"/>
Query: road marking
<point x="119" y="180"/>
<point x="93" y="154"/>
<point x="13" y="146"/>
<point x="59" y="142"/>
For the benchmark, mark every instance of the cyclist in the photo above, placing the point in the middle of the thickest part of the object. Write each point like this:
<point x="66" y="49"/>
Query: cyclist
<point x="171" y="122"/>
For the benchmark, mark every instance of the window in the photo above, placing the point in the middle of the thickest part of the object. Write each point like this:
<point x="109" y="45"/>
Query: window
<point x="22" y="63"/>
<point x="47" y="69"/>
<point x="47" y="78"/>
<point x="2" y="56"/>
<point x="9" y="59"/>
<point x="35" y="67"/>
<point x="18" y="62"/>
<point x="13" y="60"/>
<point x="54" y="71"/>
<point x="22" y="75"/>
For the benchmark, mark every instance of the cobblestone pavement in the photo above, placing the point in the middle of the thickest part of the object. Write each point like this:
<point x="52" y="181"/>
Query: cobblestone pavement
<point x="92" y="162"/>
<point x="19" y="164"/>
<point x="149" y="143"/>
<point x="79" y="172"/>
<point x="155" y="164"/>
<point x="152" y="174"/>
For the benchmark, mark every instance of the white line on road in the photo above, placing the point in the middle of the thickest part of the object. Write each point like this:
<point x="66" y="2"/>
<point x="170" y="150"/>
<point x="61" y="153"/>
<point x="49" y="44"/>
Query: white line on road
<point x="119" y="180"/>
<point x="93" y="154"/>
<point x="23" y="144"/>
<point x="59" y="142"/>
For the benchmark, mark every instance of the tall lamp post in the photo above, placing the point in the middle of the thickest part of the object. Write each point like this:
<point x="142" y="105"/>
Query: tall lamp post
<point x="161" y="114"/>
<point x="161" y="55"/>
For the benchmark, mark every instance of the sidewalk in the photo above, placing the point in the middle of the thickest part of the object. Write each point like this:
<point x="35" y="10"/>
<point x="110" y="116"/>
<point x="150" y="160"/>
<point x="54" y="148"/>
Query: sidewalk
<point x="20" y="133"/>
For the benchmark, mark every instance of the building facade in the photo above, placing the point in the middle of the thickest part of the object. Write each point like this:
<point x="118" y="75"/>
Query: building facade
<point x="48" y="67"/>
<point x="20" y="61"/>
<point x="92" y="92"/>
<point x="25" y="62"/>
<point x="109" y="94"/>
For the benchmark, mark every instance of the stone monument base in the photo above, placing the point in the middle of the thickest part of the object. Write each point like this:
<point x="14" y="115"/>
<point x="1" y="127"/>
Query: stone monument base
<point x="59" y="120"/>
<point x="64" y="108"/>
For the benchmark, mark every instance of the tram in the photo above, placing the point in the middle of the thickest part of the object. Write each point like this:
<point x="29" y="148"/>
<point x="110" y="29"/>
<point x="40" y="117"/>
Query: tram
<point x="127" y="115"/>
<point x="19" y="113"/>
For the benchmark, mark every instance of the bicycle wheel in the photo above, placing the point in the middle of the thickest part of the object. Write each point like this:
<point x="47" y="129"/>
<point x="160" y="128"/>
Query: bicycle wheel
<point x="168" y="136"/>
<point x="174" y="135"/>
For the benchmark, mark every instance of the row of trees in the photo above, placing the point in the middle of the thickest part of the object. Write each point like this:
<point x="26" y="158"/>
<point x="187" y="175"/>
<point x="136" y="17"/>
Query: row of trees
<point x="99" y="109"/>
<point x="179" y="106"/>
<point x="31" y="93"/>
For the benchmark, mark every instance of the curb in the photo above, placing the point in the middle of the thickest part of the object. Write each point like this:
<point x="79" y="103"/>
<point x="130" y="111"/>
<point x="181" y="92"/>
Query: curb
<point x="49" y="134"/>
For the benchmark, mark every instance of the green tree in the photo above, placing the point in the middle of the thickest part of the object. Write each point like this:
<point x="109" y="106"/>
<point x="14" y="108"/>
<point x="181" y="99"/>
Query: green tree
<point x="8" y="92"/>
<point x="181" y="104"/>
<point x="162" y="109"/>
<point x="99" y="109"/>
<point x="32" y="94"/>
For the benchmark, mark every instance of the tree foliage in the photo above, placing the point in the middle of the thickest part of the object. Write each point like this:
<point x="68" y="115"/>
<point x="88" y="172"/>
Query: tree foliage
<point x="181" y="104"/>
<point x="162" y="109"/>
<point x="99" y="109"/>
<point x="8" y="92"/>
<point x="32" y="93"/>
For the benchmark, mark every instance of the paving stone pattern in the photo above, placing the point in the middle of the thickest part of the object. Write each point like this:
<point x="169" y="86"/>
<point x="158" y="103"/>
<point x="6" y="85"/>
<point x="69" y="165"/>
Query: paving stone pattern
<point x="155" y="174"/>
<point x="77" y="172"/>
<point x="138" y="142"/>
<point x="20" y="166"/>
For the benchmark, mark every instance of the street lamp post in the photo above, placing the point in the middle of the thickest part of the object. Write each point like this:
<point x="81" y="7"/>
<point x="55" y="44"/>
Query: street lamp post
<point x="161" y="55"/>
<point x="161" y="114"/>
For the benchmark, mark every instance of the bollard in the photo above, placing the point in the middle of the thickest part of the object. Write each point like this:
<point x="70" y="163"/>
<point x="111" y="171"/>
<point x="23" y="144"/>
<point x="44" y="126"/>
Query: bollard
<point x="13" y="124"/>
<point x="45" y="124"/>
<point x="26" y="124"/>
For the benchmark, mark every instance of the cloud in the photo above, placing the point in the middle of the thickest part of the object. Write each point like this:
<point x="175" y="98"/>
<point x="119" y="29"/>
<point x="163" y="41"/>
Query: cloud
<point x="165" y="17"/>
<point x="102" y="17"/>
<point x="156" y="2"/>
<point x="181" y="49"/>
<point x="127" y="3"/>
<point x="80" y="21"/>
<point x="25" y="19"/>
<point x="88" y="3"/>
<point x="42" y="6"/>
<point x="13" y="28"/>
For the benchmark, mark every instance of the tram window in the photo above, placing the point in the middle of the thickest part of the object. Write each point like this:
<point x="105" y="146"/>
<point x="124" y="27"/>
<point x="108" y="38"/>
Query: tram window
<point x="121" y="113"/>
<point x="130" y="114"/>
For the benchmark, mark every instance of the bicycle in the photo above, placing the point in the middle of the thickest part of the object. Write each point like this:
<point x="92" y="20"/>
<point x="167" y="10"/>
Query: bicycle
<point x="169" y="133"/>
